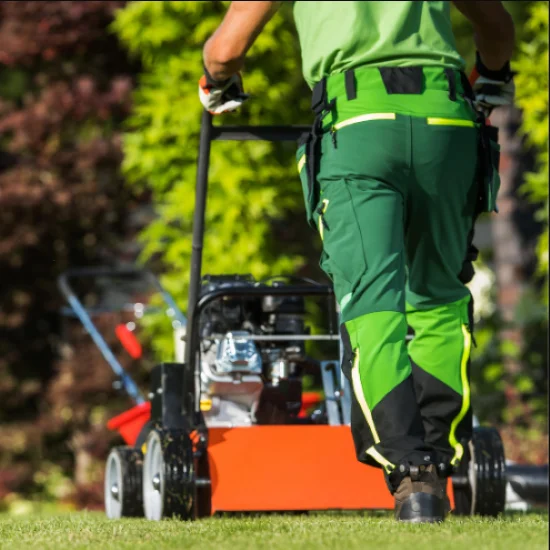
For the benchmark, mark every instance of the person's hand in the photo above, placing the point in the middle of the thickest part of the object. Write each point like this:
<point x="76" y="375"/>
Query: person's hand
<point x="221" y="96"/>
<point x="492" y="88"/>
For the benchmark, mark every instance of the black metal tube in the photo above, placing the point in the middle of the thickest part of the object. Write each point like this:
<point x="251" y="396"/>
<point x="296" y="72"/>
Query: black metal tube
<point x="263" y="290"/>
<point x="530" y="482"/>
<point x="192" y="340"/>
<point x="196" y="254"/>
<point x="252" y="291"/>
<point x="261" y="133"/>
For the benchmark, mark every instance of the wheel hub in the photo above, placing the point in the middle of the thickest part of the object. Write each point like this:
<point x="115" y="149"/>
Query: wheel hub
<point x="115" y="492"/>
<point x="156" y="482"/>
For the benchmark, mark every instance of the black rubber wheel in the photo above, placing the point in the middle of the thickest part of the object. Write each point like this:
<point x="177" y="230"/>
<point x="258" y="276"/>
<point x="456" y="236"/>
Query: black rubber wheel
<point x="123" y="493"/>
<point x="169" y="476"/>
<point x="203" y="495"/>
<point x="484" y="468"/>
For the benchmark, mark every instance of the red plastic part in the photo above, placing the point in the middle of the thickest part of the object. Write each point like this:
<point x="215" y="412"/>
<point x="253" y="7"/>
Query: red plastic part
<point x="130" y="423"/>
<point x="309" y="400"/>
<point x="129" y="341"/>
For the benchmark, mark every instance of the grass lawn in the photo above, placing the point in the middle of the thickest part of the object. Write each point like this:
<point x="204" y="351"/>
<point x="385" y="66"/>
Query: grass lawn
<point x="334" y="531"/>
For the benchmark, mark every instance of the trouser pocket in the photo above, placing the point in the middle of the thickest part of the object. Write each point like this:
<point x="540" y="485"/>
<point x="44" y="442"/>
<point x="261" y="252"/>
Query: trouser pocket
<point x="309" y="186"/>
<point x="489" y="178"/>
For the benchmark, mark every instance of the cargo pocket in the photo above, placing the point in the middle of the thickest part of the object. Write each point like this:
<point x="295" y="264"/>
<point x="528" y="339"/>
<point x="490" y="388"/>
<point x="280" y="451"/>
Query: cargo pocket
<point x="490" y="164"/>
<point x="343" y="258"/>
<point x="309" y="188"/>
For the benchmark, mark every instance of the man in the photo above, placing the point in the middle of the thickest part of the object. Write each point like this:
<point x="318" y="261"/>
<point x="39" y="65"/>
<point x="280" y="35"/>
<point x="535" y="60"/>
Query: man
<point x="391" y="178"/>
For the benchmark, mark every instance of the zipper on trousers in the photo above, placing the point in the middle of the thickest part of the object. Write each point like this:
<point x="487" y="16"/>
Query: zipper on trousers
<point x="322" y="222"/>
<point x="321" y="211"/>
<point x="333" y="136"/>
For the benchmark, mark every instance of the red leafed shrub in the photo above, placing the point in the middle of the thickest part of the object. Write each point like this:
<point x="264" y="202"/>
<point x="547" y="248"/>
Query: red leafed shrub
<point x="65" y="90"/>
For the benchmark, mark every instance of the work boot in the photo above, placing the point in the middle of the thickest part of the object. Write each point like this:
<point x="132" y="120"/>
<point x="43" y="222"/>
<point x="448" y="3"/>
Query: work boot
<point x="420" y="497"/>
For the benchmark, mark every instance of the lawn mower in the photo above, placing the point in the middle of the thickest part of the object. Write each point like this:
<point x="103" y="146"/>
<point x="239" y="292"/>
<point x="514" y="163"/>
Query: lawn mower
<point x="228" y="426"/>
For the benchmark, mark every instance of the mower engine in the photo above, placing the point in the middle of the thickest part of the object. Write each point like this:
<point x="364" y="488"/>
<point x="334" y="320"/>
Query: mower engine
<point x="249" y="371"/>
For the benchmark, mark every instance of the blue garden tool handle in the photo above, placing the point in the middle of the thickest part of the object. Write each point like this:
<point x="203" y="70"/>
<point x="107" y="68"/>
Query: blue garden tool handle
<point x="80" y="311"/>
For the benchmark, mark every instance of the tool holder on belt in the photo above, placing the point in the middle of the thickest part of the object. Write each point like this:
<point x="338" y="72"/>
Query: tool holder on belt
<point x="320" y="107"/>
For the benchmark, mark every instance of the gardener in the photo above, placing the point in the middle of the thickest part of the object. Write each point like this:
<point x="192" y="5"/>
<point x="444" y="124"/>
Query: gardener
<point x="390" y="177"/>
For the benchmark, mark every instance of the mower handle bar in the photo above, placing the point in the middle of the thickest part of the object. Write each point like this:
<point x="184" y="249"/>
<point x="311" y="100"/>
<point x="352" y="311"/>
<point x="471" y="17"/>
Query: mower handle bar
<point x="277" y="337"/>
<point x="209" y="133"/>
<point x="284" y="337"/>
<point x="131" y="272"/>
<point x="258" y="133"/>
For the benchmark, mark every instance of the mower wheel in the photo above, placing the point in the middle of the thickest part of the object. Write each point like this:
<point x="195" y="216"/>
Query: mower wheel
<point x="480" y="484"/>
<point x="169" y="475"/>
<point x="123" y="478"/>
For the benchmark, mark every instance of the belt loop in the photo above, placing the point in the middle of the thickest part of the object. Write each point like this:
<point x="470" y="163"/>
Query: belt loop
<point x="466" y="86"/>
<point x="319" y="96"/>
<point x="451" y="79"/>
<point x="351" y="88"/>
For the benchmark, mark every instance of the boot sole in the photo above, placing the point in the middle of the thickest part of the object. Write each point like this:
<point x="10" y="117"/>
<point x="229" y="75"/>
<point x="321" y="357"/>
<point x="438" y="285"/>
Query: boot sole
<point x="422" y="508"/>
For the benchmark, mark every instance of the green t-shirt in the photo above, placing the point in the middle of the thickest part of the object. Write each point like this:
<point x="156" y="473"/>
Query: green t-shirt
<point x="337" y="36"/>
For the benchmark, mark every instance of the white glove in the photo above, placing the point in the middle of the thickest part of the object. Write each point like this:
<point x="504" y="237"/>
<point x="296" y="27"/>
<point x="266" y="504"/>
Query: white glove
<point x="221" y="97"/>
<point x="492" y="88"/>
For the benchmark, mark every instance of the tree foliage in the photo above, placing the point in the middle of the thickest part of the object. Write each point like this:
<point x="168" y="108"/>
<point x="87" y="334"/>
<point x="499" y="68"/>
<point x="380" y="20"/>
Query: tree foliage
<point x="65" y="86"/>
<point x="532" y="97"/>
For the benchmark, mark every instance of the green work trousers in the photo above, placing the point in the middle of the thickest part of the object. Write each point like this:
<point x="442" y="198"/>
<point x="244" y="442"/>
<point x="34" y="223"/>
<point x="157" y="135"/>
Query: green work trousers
<point x="394" y="206"/>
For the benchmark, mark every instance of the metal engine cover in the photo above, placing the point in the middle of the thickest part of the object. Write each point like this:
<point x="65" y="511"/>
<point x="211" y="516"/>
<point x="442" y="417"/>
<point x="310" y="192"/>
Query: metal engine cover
<point x="238" y="354"/>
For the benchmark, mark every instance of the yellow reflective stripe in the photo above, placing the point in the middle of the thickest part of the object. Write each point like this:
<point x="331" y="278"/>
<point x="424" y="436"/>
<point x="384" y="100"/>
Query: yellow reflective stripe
<point x="345" y="300"/>
<point x="358" y="390"/>
<point x="450" y="122"/>
<point x="301" y="163"/>
<point x="434" y="121"/>
<point x="388" y="466"/>
<point x="459" y="449"/>
<point x="323" y="210"/>
<point x="363" y="118"/>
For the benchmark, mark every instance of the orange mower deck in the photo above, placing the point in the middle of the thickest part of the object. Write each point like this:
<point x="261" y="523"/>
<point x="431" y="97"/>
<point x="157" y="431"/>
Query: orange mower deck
<point x="281" y="468"/>
<point x="278" y="468"/>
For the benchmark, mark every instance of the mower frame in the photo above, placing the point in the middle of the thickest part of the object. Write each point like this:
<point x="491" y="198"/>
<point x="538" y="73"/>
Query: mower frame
<point x="208" y="134"/>
<point x="85" y="315"/>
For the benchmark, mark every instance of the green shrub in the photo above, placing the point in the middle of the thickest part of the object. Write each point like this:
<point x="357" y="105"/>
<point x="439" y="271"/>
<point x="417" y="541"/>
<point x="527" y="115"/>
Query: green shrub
<point x="532" y="97"/>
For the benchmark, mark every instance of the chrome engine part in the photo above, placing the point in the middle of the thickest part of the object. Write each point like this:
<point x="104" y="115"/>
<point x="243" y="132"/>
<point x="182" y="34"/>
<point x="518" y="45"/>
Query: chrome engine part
<point x="235" y="353"/>
<point x="231" y="380"/>
<point x="238" y="360"/>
